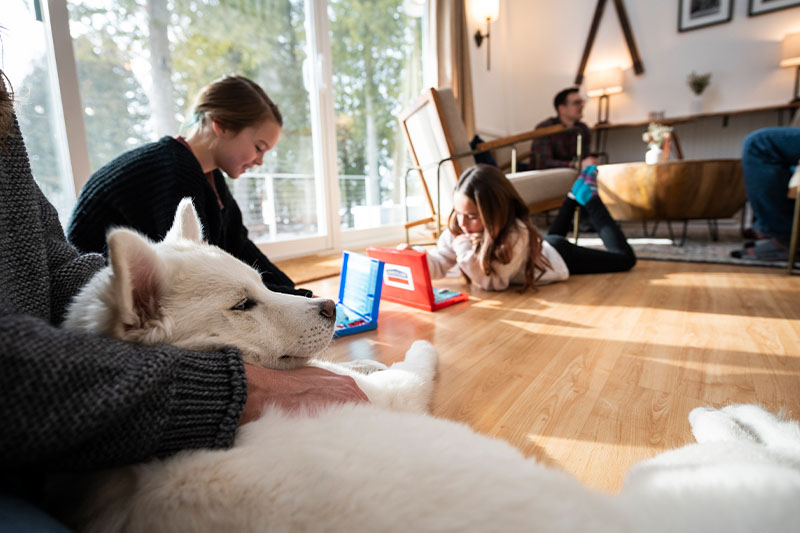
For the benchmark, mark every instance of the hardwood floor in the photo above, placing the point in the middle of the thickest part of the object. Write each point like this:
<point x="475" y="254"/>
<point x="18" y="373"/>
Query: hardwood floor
<point x="596" y="373"/>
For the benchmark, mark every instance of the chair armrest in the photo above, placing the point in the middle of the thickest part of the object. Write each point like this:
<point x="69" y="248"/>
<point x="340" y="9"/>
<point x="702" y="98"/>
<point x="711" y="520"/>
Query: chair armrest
<point x="520" y="137"/>
<point x="507" y="141"/>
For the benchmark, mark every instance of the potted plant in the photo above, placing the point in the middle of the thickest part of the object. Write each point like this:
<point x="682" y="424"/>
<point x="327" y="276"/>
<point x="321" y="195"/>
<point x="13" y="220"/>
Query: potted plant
<point x="698" y="83"/>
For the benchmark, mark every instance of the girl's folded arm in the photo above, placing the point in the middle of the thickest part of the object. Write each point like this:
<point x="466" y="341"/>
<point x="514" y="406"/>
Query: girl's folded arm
<point x="502" y="274"/>
<point x="443" y="258"/>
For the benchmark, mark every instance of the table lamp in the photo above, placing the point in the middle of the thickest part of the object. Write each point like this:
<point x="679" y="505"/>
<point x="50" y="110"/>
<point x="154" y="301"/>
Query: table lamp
<point x="790" y="57"/>
<point x="603" y="83"/>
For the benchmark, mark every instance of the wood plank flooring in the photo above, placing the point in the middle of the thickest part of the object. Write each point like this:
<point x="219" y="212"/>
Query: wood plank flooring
<point x="596" y="373"/>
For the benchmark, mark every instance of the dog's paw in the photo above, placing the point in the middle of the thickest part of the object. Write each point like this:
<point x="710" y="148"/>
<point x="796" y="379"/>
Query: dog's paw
<point x="422" y="348"/>
<point x="423" y="357"/>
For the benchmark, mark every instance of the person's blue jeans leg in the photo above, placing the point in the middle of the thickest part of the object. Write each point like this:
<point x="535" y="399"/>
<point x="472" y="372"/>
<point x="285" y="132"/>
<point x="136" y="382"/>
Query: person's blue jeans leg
<point x="767" y="158"/>
<point x="19" y="515"/>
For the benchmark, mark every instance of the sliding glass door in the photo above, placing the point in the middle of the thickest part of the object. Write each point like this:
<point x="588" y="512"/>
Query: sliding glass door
<point x="340" y="71"/>
<point x="140" y="64"/>
<point x="31" y="71"/>
<point x="376" y="50"/>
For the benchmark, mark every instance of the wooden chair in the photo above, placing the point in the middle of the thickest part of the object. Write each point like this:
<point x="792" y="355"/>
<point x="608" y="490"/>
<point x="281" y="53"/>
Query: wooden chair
<point x="440" y="150"/>
<point x="793" y="186"/>
<point x="794" y="183"/>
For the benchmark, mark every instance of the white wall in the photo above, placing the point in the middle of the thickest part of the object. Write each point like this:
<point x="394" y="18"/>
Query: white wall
<point x="537" y="47"/>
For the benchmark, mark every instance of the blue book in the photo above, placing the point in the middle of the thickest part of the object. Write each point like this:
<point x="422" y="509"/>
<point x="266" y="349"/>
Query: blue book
<point x="359" y="294"/>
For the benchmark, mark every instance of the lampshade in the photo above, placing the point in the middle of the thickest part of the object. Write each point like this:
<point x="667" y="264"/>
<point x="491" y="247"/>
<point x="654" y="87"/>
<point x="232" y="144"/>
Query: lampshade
<point x="600" y="82"/>
<point x="485" y="9"/>
<point x="790" y="50"/>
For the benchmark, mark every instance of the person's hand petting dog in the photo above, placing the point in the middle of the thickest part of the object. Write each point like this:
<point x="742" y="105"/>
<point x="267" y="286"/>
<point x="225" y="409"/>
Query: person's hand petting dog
<point x="307" y="388"/>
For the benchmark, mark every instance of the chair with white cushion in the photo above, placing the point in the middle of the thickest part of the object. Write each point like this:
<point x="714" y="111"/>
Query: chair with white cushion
<point x="440" y="150"/>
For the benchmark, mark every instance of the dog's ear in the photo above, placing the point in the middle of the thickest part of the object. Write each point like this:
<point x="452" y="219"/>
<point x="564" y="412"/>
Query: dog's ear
<point x="137" y="278"/>
<point x="186" y="224"/>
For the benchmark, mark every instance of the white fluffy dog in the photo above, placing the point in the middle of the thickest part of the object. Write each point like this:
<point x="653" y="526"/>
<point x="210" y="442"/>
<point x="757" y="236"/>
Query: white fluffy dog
<point x="184" y="292"/>
<point x="368" y="468"/>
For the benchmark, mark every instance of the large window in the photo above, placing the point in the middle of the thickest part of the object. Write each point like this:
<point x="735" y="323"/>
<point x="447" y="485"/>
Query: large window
<point x="30" y="69"/>
<point x="140" y="63"/>
<point x="376" y="51"/>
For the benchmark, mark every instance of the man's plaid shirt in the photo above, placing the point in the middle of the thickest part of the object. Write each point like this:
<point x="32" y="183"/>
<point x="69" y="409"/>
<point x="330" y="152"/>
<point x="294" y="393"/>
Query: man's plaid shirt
<point x="559" y="150"/>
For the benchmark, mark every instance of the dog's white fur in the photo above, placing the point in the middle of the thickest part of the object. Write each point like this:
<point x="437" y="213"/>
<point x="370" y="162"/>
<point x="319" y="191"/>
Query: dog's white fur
<point x="184" y="292"/>
<point x="364" y="467"/>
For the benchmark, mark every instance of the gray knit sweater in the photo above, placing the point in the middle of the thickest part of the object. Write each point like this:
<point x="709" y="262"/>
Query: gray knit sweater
<point x="72" y="401"/>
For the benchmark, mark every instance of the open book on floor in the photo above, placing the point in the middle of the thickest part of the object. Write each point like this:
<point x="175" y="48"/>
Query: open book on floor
<point x="407" y="280"/>
<point x="359" y="294"/>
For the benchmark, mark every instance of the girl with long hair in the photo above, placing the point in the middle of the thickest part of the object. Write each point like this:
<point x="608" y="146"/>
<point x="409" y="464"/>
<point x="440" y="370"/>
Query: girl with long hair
<point x="234" y="123"/>
<point x="490" y="237"/>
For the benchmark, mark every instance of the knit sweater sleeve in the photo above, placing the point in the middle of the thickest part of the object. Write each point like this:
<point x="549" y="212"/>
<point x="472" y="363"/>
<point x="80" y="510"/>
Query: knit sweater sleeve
<point x="443" y="258"/>
<point x="501" y="274"/>
<point x="76" y="401"/>
<point x="140" y="190"/>
<point x="459" y="250"/>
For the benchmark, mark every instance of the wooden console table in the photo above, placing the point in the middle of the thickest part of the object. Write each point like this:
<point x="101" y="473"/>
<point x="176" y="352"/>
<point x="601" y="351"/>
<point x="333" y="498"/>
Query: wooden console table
<point x="673" y="191"/>
<point x="785" y="112"/>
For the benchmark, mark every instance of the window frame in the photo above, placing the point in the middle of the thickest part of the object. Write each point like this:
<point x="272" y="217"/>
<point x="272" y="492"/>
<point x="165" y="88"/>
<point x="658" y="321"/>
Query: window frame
<point x="331" y="238"/>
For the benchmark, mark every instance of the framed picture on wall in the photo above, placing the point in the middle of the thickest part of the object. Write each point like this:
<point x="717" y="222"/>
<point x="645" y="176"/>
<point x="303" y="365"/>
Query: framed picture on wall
<point x="694" y="14"/>
<point x="759" y="7"/>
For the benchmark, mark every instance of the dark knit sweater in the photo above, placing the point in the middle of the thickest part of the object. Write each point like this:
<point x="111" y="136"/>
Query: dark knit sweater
<point x="141" y="189"/>
<point x="72" y="401"/>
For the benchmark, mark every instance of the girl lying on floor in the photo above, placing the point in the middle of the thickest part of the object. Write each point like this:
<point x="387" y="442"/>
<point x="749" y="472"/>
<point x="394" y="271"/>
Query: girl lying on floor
<point x="490" y="237"/>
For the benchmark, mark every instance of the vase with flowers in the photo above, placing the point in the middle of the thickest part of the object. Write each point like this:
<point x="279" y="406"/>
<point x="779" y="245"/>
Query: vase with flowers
<point x="655" y="136"/>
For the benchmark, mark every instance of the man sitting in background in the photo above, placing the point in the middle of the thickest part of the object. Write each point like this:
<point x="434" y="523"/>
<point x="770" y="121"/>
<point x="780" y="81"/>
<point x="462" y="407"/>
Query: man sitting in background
<point x="561" y="150"/>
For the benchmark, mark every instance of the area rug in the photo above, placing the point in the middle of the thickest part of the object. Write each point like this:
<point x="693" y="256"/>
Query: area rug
<point x="699" y="246"/>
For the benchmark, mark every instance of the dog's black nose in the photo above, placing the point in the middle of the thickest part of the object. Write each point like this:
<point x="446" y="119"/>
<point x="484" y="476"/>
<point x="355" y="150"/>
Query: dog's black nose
<point x="327" y="308"/>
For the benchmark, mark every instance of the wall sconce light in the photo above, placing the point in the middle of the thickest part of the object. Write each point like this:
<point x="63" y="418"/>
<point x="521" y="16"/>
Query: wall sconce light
<point x="603" y="83"/>
<point x="487" y="10"/>
<point x="790" y="56"/>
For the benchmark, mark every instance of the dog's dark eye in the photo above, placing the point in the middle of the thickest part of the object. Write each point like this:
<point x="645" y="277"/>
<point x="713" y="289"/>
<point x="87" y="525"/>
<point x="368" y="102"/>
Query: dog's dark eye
<point x="244" y="305"/>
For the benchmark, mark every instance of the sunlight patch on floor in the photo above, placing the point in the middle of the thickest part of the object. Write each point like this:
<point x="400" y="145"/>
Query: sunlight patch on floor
<point x="679" y="328"/>
<point x="715" y="369"/>
<point x="596" y="241"/>
<point x="712" y="280"/>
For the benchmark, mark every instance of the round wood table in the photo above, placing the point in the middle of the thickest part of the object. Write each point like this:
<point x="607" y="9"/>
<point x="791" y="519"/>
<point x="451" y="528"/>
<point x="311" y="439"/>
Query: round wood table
<point x="675" y="190"/>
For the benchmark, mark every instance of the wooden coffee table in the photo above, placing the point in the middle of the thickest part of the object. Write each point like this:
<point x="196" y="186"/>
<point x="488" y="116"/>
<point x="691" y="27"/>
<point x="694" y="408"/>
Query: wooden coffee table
<point x="676" y="190"/>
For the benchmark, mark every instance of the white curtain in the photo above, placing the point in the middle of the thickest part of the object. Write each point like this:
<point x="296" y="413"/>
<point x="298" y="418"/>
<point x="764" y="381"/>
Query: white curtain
<point x="448" y="30"/>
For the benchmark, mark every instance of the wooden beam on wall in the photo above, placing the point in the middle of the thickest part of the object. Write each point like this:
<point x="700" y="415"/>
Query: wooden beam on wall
<point x="638" y="67"/>
<point x="598" y="14"/>
<point x="622" y="15"/>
